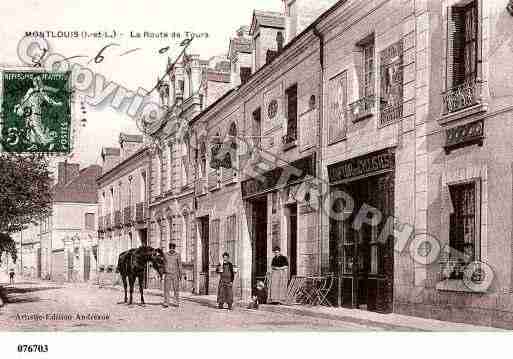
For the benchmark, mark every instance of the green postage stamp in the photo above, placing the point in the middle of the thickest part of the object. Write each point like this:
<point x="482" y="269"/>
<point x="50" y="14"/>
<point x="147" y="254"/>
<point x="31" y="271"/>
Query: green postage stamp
<point x="36" y="111"/>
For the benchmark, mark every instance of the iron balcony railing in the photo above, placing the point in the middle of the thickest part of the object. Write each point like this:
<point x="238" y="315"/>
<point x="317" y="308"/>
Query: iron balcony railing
<point x="361" y="108"/>
<point x="290" y="136"/>
<point x="228" y="175"/>
<point x="390" y="113"/>
<point x="462" y="96"/>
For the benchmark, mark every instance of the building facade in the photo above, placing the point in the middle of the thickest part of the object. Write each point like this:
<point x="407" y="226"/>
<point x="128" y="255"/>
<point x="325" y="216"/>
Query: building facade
<point x="123" y="202"/>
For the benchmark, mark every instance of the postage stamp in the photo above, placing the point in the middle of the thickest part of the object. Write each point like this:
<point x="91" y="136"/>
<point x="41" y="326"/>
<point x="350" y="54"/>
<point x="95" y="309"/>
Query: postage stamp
<point x="36" y="111"/>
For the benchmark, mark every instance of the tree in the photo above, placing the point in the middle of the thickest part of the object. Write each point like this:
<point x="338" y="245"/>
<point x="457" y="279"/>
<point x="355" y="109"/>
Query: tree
<point x="25" y="196"/>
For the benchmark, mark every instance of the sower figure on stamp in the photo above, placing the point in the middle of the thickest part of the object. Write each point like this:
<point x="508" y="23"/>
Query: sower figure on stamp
<point x="225" y="289"/>
<point x="279" y="277"/>
<point x="31" y="107"/>
<point x="172" y="275"/>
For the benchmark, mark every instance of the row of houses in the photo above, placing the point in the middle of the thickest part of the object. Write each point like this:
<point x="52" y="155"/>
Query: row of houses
<point x="370" y="140"/>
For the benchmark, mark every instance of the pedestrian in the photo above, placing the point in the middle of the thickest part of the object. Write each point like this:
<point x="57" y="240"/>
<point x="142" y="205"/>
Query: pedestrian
<point x="11" y="276"/>
<point x="225" y="288"/>
<point x="279" y="277"/>
<point x="172" y="275"/>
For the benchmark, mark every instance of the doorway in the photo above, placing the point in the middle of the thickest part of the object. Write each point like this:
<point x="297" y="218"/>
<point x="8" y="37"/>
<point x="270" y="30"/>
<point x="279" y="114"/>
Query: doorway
<point x="259" y="257"/>
<point x="292" y="240"/>
<point x="362" y="262"/>
<point x="205" y="257"/>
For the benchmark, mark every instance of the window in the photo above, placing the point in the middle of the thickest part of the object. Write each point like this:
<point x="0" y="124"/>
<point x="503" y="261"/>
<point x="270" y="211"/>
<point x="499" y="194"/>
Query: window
<point x="464" y="226"/>
<point x="203" y="159"/>
<point x="170" y="167"/>
<point x="112" y="200"/>
<point x="462" y="57"/>
<point x="391" y="96"/>
<point x="130" y="198"/>
<point x="245" y="74"/>
<point x="120" y="197"/>
<point x="189" y="242"/>
<point x="257" y="127"/>
<point x="231" y="238"/>
<point x="143" y="187"/>
<point x="367" y="79"/>
<point x="291" y="94"/>
<point x="89" y="221"/>
<point x="214" y="242"/>
<point x="337" y="107"/>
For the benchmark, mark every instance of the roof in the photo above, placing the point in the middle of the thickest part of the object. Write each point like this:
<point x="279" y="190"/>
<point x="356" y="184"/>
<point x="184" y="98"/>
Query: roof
<point x="123" y="137"/>
<point x="266" y="19"/>
<point x="81" y="189"/>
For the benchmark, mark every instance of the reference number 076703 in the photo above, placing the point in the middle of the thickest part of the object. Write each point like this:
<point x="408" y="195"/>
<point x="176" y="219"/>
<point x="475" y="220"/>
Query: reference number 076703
<point x="33" y="348"/>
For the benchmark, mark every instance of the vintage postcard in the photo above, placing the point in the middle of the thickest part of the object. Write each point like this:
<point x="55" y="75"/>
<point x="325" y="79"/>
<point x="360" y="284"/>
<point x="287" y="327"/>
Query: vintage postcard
<point x="270" y="165"/>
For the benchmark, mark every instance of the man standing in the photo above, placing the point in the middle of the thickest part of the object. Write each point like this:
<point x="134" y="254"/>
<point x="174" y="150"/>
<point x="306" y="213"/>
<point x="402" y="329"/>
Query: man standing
<point x="279" y="277"/>
<point x="172" y="275"/>
<point x="11" y="276"/>
<point x="225" y="289"/>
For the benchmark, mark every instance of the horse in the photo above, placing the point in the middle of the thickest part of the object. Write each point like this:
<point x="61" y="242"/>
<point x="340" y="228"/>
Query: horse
<point x="132" y="263"/>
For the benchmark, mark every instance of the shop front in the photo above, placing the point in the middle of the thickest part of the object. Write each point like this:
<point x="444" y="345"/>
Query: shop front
<point x="361" y="254"/>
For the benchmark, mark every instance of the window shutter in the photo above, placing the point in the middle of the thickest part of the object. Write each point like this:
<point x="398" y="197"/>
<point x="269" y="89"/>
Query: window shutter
<point x="456" y="43"/>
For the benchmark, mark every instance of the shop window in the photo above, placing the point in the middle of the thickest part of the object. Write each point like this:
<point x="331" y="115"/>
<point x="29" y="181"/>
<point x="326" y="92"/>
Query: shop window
<point x="464" y="227"/>
<point x="231" y="238"/>
<point x="462" y="57"/>
<point x="391" y="95"/>
<point x="337" y="124"/>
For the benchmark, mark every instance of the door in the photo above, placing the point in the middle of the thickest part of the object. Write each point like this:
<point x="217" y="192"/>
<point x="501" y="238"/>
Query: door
<point x="58" y="271"/>
<point x="38" y="258"/>
<point x="259" y="214"/>
<point x="205" y="255"/>
<point x="292" y="242"/>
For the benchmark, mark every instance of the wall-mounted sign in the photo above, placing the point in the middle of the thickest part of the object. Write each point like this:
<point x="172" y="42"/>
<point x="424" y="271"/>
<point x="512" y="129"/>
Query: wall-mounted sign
<point x="362" y="166"/>
<point x="464" y="135"/>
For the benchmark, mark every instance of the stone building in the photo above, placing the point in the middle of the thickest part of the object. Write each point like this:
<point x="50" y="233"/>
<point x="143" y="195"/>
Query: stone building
<point x="122" y="201"/>
<point x="372" y="142"/>
<point x="62" y="247"/>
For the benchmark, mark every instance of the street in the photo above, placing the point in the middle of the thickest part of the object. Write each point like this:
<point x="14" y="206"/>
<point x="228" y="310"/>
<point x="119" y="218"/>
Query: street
<point x="44" y="306"/>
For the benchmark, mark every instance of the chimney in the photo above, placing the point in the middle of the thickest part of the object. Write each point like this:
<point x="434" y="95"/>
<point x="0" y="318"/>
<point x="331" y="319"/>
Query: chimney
<point x="267" y="29"/>
<point x="302" y="13"/>
<point x="110" y="158"/>
<point x="67" y="172"/>
<point x="239" y="54"/>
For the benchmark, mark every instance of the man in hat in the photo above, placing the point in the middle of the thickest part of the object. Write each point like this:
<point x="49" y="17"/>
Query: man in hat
<point x="172" y="275"/>
<point x="279" y="277"/>
<point x="225" y="288"/>
<point x="11" y="276"/>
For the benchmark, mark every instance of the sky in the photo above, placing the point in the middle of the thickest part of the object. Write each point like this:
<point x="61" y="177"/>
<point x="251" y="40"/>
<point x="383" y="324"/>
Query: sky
<point x="219" y="19"/>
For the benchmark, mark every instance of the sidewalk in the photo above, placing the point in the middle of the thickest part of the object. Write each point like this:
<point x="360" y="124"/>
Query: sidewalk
<point x="392" y="321"/>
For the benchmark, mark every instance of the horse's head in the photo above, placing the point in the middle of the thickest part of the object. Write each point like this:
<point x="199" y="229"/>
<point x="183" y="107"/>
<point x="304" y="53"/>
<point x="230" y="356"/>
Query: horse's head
<point x="156" y="257"/>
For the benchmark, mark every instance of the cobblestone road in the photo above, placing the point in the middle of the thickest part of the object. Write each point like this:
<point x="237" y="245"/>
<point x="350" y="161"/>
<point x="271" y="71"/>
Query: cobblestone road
<point x="29" y="299"/>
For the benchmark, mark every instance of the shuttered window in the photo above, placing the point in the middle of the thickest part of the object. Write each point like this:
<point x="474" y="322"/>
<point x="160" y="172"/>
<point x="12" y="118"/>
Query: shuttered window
<point x="463" y="44"/>
<point x="291" y="94"/>
<point x="89" y="221"/>
<point x="337" y="125"/>
<point x="368" y="69"/>
<point x="214" y="242"/>
<point x="231" y="238"/>
<point x="257" y="127"/>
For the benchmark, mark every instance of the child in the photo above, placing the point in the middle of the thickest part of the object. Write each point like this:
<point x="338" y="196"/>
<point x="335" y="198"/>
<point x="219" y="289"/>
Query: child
<point x="260" y="297"/>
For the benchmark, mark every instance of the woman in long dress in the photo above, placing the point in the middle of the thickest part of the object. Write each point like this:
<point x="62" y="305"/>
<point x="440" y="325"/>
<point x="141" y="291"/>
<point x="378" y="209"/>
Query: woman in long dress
<point x="279" y="277"/>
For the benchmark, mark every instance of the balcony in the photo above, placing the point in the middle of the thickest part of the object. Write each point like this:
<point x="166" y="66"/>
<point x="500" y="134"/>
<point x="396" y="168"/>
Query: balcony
<point x="289" y="140"/>
<point x="117" y="219"/>
<point x="361" y="108"/>
<point x="127" y="216"/>
<point x="108" y="224"/>
<point x="141" y="212"/>
<point x="213" y="180"/>
<point x="462" y="96"/>
<point x="201" y="186"/>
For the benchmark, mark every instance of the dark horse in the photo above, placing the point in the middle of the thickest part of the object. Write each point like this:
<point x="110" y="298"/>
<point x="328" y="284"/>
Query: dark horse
<point x="132" y="265"/>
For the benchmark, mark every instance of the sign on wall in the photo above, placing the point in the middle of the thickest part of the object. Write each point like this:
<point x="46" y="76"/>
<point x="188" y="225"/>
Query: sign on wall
<point x="337" y="119"/>
<point x="273" y="108"/>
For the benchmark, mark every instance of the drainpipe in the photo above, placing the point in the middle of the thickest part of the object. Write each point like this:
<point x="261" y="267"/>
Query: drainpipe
<point x="320" y="126"/>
